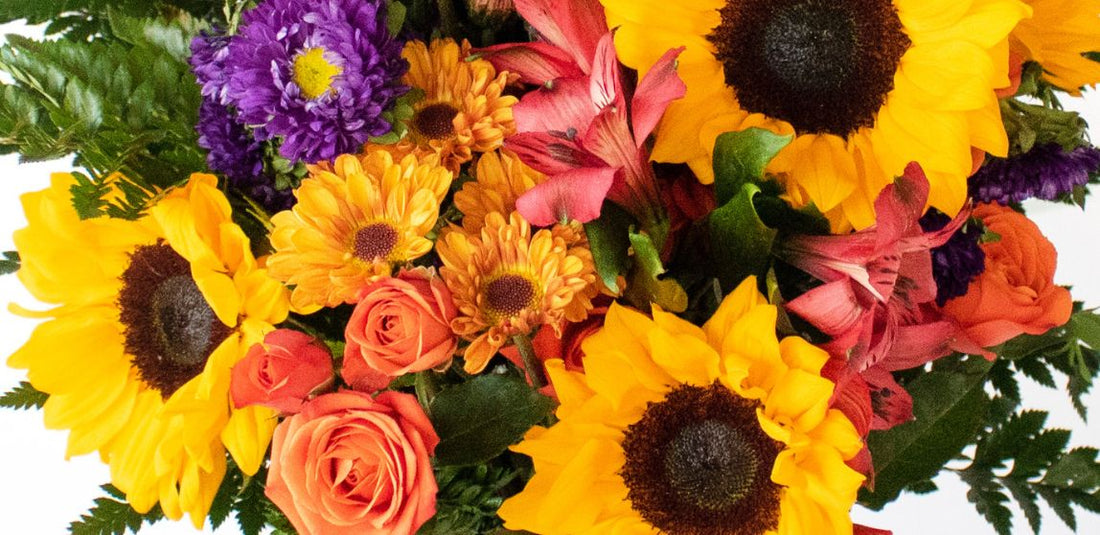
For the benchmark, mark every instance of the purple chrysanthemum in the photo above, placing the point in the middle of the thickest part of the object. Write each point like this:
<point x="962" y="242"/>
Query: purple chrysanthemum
<point x="318" y="73"/>
<point x="1045" y="172"/>
<point x="233" y="152"/>
<point x="958" y="261"/>
<point x="208" y="54"/>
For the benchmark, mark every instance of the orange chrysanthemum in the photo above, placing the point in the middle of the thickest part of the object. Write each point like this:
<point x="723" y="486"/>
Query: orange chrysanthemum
<point x="353" y="223"/>
<point x="507" y="281"/>
<point x="501" y="179"/>
<point x="463" y="110"/>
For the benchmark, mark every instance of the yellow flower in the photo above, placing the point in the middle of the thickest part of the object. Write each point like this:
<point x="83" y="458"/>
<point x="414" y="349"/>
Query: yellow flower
<point x="501" y="179"/>
<point x="507" y="281"/>
<point x="353" y="222"/>
<point x="152" y="314"/>
<point x="678" y="429"/>
<point x="867" y="86"/>
<point x="463" y="110"/>
<point x="1056" y="36"/>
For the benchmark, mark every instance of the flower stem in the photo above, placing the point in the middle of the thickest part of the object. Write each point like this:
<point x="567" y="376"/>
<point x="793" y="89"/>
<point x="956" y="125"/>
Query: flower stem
<point x="531" y="363"/>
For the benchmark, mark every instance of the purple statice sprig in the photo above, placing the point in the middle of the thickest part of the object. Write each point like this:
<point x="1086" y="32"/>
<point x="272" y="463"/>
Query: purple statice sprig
<point x="1046" y="172"/>
<point x="353" y="37"/>
<point x="959" y="260"/>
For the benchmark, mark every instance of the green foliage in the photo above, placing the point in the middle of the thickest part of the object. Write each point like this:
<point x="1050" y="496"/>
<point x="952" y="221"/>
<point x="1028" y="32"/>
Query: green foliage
<point x="111" y="515"/>
<point x="9" y="263"/>
<point x="1029" y="125"/>
<point x="1039" y="469"/>
<point x="740" y="242"/>
<point x="469" y="497"/>
<point x="646" y="284"/>
<point x="948" y="409"/>
<point x="1070" y="349"/>
<point x="82" y="20"/>
<point x="609" y="241"/>
<point x="243" y="496"/>
<point x="128" y="104"/>
<point x="23" y="396"/>
<point x="476" y="420"/>
<point x="740" y="158"/>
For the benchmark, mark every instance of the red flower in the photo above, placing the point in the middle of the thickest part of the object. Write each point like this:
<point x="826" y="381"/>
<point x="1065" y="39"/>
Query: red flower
<point x="877" y="301"/>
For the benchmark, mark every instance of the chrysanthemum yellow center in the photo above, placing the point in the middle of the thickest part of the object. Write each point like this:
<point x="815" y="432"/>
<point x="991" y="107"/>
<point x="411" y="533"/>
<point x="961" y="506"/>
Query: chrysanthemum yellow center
<point x="825" y="66"/>
<point x="313" y="73"/>
<point x="375" y="241"/>
<point x="509" y="294"/>
<point x="170" y="330"/>
<point x="435" y="121"/>
<point x="698" y="463"/>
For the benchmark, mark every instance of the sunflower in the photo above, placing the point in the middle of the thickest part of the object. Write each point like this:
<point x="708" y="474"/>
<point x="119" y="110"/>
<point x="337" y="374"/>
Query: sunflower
<point x="151" y="316"/>
<point x="866" y="86"/>
<point x="507" y="282"/>
<point x="722" y="429"/>
<point x="501" y="179"/>
<point x="354" y="221"/>
<point x="463" y="110"/>
<point x="1056" y="36"/>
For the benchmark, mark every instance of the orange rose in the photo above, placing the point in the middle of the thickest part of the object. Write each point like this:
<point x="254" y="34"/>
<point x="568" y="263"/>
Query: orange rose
<point x="401" y="325"/>
<point x="348" y="463"/>
<point x="281" y="372"/>
<point x="1016" y="293"/>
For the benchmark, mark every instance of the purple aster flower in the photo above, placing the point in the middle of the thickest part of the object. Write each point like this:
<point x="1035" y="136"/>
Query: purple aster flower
<point x="1045" y="172"/>
<point x="233" y="152"/>
<point x="958" y="261"/>
<point x="318" y="73"/>
<point x="208" y="53"/>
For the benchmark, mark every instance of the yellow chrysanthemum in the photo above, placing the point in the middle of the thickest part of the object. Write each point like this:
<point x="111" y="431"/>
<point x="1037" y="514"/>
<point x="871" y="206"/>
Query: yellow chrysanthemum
<point x="867" y="86"/>
<point x="507" y="281"/>
<point x="501" y="179"/>
<point x="463" y="110"/>
<point x="152" y="315"/>
<point x="1056" y="35"/>
<point x="353" y="222"/>
<point x="678" y="429"/>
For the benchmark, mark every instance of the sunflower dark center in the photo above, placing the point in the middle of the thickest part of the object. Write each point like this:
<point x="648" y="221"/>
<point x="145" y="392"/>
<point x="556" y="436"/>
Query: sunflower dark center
<point x="170" y="330"/>
<point x="435" y="121"/>
<point x="825" y="66"/>
<point x="698" y="463"/>
<point x="375" y="242"/>
<point x="509" y="294"/>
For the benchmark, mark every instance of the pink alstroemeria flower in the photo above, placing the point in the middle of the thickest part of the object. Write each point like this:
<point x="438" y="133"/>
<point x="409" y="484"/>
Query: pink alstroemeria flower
<point x="877" y="302"/>
<point x="577" y="127"/>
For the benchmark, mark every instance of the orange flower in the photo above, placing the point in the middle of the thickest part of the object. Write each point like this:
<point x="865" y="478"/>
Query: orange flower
<point x="507" y="281"/>
<point x="401" y="325"/>
<point x="351" y="464"/>
<point x="1016" y="293"/>
<point x="282" y="372"/>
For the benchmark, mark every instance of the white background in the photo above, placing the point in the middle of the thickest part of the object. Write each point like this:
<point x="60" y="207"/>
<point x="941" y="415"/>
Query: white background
<point x="41" y="492"/>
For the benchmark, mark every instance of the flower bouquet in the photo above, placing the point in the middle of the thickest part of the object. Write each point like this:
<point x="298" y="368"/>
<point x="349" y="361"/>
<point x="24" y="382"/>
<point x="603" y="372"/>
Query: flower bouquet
<point x="585" y="266"/>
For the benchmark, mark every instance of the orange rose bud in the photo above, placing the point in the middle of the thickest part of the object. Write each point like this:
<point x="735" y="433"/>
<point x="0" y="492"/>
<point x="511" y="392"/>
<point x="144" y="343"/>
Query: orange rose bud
<point x="281" y="372"/>
<point x="1016" y="293"/>
<point x="350" y="464"/>
<point x="401" y="325"/>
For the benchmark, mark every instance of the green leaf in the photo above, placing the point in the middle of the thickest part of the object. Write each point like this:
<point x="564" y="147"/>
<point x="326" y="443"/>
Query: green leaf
<point x="23" y="396"/>
<point x="250" y="506"/>
<point x="110" y="516"/>
<point x="10" y="263"/>
<point x="609" y="241"/>
<point x="476" y="420"/>
<point x="740" y="158"/>
<point x="395" y="16"/>
<point x="741" y="243"/>
<point x="948" y="409"/>
<point x="646" y="285"/>
<point x="1076" y="469"/>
